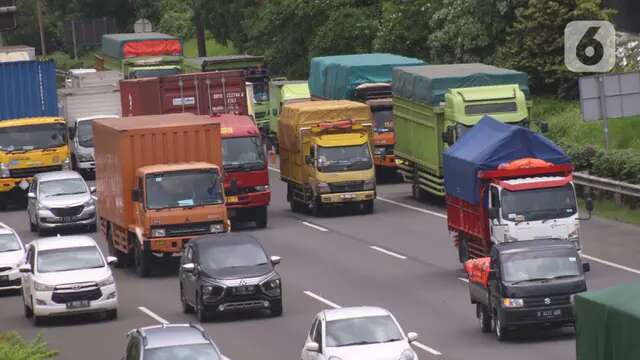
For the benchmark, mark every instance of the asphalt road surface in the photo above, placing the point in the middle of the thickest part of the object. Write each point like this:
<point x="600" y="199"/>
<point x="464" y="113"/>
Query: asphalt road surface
<point x="400" y="258"/>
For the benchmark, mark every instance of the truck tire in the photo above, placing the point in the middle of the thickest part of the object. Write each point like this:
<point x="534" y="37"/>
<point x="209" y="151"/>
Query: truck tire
<point x="367" y="207"/>
<point x="261" y="217"/>
<point x="317" y="209"/>
<point x="417" y="193"/>
<point x="463" y="251"/>
<point x="499" y="329"/>
<point x="276" y="308"/>
<point x="142" y="261"/>
<point x="484" y="318"/>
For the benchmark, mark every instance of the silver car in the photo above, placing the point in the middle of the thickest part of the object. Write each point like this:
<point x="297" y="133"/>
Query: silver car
<point x="60" y="199"/>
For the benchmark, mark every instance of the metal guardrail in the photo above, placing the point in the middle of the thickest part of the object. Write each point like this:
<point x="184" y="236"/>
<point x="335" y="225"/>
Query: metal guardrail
<point x="612" y="186"/>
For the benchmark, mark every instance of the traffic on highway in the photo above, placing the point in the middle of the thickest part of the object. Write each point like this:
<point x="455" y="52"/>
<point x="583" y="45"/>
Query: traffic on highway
<point x="195" y="220"/>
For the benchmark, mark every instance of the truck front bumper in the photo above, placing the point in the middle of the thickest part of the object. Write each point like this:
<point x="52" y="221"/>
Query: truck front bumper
<point x="87" y="166"/>
<point x="348" y="197"/>
<point x="560" y="314"/>
<point x="250" y="200"/>
<point x="8" y="184"/>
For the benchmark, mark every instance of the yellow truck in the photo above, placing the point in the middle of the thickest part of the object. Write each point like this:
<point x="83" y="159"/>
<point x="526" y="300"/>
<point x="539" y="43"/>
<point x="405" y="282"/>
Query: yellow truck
<point x="325" y="155"/>
<point x="27" y="147"/>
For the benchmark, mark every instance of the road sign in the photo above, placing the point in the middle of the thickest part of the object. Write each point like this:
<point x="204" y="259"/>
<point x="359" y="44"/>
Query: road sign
<point x="8" y="15"/>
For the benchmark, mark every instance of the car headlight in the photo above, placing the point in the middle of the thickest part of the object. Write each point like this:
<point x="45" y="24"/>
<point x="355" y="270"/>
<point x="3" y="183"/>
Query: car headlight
<point x="272" y="287"/>
<point x="4" y="170"/>
<point x="42" y="207"/>
<point x="85" y="157"/>
<point x="370" y="184"/>
<point x="512" y="303"/>
<point x="107" y="281"/>
<point x="43" y="287"/>
<point x="323" y="188"/>
<point x="158" y="232"/>
<point x="408" y="354"/>
<point x="261" y="188"/>
<point x="89" y="203"/>
<point x="66" y="164"/>
<point x="216" y="228"/>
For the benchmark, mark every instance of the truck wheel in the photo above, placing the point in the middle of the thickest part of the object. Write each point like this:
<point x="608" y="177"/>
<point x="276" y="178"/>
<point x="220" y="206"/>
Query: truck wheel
<point x="417" y="193"/>
<point x="143" y="262"/>
<point x="367" y="207"/>
<point x="500" y="330"/>
<point x="484" y="318"/>
<point x="463" y="251"/>
<point x="32" y="227"/>
<point x="261" y="217"/>
<point x="317" y="209"/>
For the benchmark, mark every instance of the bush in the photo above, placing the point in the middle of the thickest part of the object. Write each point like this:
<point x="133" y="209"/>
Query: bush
<point x="621" y="165"/>
<point x="13" y="347"/>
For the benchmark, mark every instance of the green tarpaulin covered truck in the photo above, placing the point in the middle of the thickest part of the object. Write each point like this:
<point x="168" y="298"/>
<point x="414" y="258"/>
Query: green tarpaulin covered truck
<point x="282" y="92"/>
<point x="607" y="323"/>
<point x="433" y="105"/>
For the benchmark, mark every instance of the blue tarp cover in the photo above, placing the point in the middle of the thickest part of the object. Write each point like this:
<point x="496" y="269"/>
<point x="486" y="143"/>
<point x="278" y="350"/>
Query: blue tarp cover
<point x="486" y="146"/>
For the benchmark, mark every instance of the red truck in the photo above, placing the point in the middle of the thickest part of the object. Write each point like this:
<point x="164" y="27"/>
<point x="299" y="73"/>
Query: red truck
<point x="506" y="183"/>
<point x="246" y="179"/>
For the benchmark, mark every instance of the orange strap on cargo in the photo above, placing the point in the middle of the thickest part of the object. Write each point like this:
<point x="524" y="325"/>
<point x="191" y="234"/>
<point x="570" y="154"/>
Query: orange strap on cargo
<point x="343" y="124"/>
<point x="478" y="270"/>
<point x="524" y="163"/>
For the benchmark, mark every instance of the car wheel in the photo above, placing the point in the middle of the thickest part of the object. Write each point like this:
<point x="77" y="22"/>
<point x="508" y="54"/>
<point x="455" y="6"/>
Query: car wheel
<point x="201" y="311"/>
<point x="500" y="330"/>
<point x="484" y="318"/>
<point x="42" y="232"/>
<point x="186" y="307"/>
<point x="463" y="251"/>
<point x="276" y="308"/>
<point x="28" y="312"/>
<point x="143" y="262"/>
<point x="32" y="227"/>
<point x="112" y="314"/>
<point x="261" y="217"/>
<point x="37" y="320"/>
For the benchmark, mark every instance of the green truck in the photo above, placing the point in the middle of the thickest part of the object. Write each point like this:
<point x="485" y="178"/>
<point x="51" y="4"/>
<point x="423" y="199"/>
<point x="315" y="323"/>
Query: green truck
<point x="433" y="105"/>
<point x="282" y="92"/>
<point x="607" y="323"/>
<point x="141" y="55"/>
<point x="256" y="74"/>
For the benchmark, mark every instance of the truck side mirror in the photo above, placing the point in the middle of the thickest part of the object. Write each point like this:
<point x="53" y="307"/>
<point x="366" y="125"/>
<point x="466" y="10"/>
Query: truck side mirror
<point x="135" y="195"/>
<point x="493" y="213"/>
<point x="234" y="186"/>
<point x="492" y="275"/>
<point x="72" y="132"/>
<point x="589" y="204"/>
<point x="448" y="136"/>
<point x="308" y="160"/>
<point x="586" y="267"/>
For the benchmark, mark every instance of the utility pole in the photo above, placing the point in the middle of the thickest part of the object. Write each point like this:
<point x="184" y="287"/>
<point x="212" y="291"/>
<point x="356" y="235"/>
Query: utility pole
<point x="41" y="26"/>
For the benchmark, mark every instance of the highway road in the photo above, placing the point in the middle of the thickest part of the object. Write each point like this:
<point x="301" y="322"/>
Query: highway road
<point x="400" y="258"/>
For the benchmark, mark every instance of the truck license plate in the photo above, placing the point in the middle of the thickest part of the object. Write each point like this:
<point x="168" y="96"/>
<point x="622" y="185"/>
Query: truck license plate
<point x="67" y="219"/>
<point x="347" y="196"/>
<point x="78" y="304"/>
<point x="232" y="199"/>
<point x="549" y="313"/>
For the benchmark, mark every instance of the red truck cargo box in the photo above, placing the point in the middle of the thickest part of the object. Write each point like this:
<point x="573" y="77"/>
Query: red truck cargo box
<point x="199" y="93"/>
<point x="467" y="218"/>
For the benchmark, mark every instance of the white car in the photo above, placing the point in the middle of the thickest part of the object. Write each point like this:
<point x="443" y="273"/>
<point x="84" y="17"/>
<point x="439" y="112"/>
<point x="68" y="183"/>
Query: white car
<point x="11" y="258"/>
<point x="357" y="333"/>
<point x="67" y="276"/>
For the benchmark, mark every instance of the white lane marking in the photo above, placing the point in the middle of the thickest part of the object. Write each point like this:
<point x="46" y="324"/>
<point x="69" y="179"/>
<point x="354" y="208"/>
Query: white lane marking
<point x="617" y="266"/>
<point x="314" y="226"/>
<point x="391" y="253"/>
<point x="322" y="300"/>
<point x="464" y="280"/>
<point x="274" y="169"/>
<point x="153" y="315"/>
<point x="426" y="348"/>
<point x="412" y="207"/>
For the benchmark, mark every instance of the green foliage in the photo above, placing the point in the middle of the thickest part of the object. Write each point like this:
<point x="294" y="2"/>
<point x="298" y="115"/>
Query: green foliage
<point x="176" y="18"/>
<point x="349" y="31"/>
<point x="66" y="62"/>
<point x="214" y="48"/>
<point x="13" y="347"/>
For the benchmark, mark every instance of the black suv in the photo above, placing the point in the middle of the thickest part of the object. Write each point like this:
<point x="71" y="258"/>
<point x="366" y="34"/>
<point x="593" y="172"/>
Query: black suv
<point x="171" y="341"/>
<point x="226" y="273"/>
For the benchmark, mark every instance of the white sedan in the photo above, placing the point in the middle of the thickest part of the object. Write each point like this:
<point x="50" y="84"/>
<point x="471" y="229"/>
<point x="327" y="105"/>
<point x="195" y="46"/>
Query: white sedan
<point x="67" y="276"/>
<point x="358" y="333"/>
<point x="11" y="258"/>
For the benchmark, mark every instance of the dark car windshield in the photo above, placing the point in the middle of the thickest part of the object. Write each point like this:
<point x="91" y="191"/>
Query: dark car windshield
<point x="62" y="187"/>
<point x="67" y="259"/>
<point x="31" y="137"/>
<point x="243" y="153"/>
<point x="184" y="189"/>
<point x="539" y="204"/>
<point x="9" y="242"/>
<point x="344" y="158"/>
<point x="362" y="331"/>
<point x="383" y="120"/>
<point x="221" y="256"/>
<point x="85" y="133"/>
<point x="182" y="352"/>
<point x="539" y="264"/>
<point x="260" y="92"/>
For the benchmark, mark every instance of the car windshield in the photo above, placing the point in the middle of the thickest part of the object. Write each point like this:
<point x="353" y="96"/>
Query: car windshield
<point x="243" y="153"/>
<point x="383" y="120"/>
<point x="362" y="331"/>
<point x="85" y="133"/>
<point x="344" y="158"/>
<point x="9" y="242"/>
<point x="184" y="189"/>
<point x="260" y="92"/>
<point x="182" y="352"/>
<point x="539" y="265"/>
<point x="31" y="137"/>
<point x="221" y="256"/>
<point x="62" y="187"/>
<point x="539" y="204"/>
<point x="68" y="259"/>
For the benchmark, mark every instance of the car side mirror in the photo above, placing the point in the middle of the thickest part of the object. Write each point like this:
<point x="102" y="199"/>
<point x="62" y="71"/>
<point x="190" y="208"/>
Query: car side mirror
<point x="493" y="213"/>
<point x="312" y="347"/>
<point x="135" y="195"/>
<point x="111" y="260"/>
<point x="31" y="195"/>
<point x="25" y="268"/>
<point x="589" y="204"/>
<point x="492" y="275"/>
<point x="92" y="189"/>
<point x="586" y="267"/>
<point x="275" y="260"/>
<point x="189" y="267"/>
<point x="308" y="160"/>
<point x="412" y="337"/>
<point x="448" y="136"/>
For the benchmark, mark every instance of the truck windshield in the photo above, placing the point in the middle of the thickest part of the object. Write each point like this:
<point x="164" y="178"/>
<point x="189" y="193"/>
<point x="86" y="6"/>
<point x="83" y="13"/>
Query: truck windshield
<point x="535" y="265"/>
<point x="344" y="158"/>
<point x="260" y="92"/>
<point x="383" y="120"/>
<point x="243" y="154"/>
<point x="30" y="137"/>
<point x="85" y="134"/>
<point x="183" y="189"/>
<point x="539" y="204"/>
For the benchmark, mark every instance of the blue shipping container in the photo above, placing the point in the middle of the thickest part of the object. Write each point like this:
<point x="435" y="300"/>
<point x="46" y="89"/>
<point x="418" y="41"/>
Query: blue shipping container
<point x="28" y="89"/>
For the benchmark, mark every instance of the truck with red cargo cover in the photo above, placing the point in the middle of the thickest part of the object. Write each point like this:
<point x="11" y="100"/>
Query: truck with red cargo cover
<point x="506" y="183"/>
<point x="159" y="185"/>
<point x="197" y="93"/>
<point x="246" y="176"/>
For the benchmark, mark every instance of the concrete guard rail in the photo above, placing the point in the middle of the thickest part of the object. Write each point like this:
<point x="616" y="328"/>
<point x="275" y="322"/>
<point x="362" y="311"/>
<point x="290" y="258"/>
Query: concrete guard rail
<point x="611" y="186"/>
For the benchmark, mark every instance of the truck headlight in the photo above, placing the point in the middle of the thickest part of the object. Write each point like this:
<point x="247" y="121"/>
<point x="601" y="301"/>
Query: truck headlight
<point x="107" y="281"/>
<point x="43" y="287"/>
<point x="66" y="164"/>
<point x="216" y="228"/>
<point x="158" y="232"/>
<point x="4" y="170"/>
<point x="261" y="188"/>
<point x="512" y="303"/>
<point x="85" y="157"/>
<point x="370" y="184"/>
<point x="323" y="188"/>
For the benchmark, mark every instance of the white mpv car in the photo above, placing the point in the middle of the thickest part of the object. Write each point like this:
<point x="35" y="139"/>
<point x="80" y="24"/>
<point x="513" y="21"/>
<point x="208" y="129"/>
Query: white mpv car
<point x="11" y="258"/>
<point x="67" y="276"/>
<point x="358" y="333"/>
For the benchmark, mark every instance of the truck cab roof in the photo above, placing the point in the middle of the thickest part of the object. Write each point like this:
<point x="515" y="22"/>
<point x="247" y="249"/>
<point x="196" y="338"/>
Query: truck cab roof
<point x="528" y="245"/>
<point x="165" y="168"/>
<point x="232" y="125"/>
